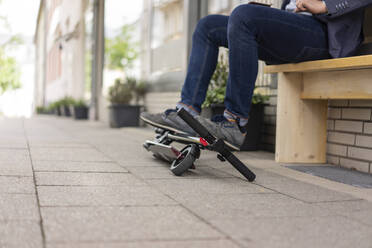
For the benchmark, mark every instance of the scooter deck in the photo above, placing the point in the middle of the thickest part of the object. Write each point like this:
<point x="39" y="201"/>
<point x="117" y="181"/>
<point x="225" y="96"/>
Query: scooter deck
<point x="179" y="136"/>
<point x="161" y="147"/>
<point x="161" y="151"/>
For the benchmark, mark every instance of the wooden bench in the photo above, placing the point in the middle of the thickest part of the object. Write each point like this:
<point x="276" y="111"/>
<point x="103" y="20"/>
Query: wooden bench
<point x="303" y="91"/>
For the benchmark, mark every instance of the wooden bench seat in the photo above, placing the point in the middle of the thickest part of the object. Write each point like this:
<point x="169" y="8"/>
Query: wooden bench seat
<point x="303" y="91"/>
<point x="351" y="63"/>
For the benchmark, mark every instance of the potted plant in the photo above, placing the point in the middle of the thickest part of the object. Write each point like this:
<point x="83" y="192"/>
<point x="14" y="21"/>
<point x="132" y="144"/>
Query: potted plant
<point x="122" y="114"/>
<point x="255" y="122"/>
<point x="41" y="110"/>
<point x="214" y="101"/>
<point x="56" y="108"/>
<point x="140" y="91"/>
<point x="80" y="110"/>
<point x="214" y="105"/>
<point x="66" y="103"/>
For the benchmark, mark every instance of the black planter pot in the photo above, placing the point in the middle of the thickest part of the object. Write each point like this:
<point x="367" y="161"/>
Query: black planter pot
<point x="80" y="113"/>
<point x="254" y="128"/>
<point x="123" y="115"/>
<point x="66" y="111"/>
<point x="47" y="112"/>
<point x="58" y="111"/>
<point x="214" y="109"/>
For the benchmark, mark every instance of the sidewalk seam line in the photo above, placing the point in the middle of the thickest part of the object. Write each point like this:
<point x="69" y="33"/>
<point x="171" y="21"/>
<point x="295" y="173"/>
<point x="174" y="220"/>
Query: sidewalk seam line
<point x="35" y="187"/>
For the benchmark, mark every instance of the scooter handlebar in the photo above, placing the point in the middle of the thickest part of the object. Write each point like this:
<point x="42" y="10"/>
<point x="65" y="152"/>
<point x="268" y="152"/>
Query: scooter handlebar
<point x="219" y="146"/>
<point x="247" y="173"/>
<point x="196" y="126"/>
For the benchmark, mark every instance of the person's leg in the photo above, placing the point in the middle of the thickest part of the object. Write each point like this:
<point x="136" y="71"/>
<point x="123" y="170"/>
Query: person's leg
<point x="272" y="35"/>
<point x="209" y="35"/>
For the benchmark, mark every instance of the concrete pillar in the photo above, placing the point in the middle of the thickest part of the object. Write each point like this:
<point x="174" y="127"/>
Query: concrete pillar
<point x="44" y="64"/>
<point x="98" y="57"/>
<point x="146" y="31"/>
<point x="194" y="10"/>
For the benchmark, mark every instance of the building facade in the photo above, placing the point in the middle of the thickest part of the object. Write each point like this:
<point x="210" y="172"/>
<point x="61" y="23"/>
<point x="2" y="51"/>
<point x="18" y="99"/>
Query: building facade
<point x="60" y="46"/>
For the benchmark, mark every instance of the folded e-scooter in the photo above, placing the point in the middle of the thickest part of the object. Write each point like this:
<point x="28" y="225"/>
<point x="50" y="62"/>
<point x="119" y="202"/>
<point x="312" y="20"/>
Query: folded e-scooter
<point x="183" y="160"/>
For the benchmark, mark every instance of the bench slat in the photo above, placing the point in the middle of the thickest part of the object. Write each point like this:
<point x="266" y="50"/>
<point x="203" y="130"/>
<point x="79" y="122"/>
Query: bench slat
<point x="352" y="84"/>
<point x="357" y="62"/>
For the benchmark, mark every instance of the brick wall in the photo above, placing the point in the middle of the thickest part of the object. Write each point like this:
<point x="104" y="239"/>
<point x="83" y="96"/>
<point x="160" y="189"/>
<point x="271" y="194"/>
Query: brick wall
<point x="269" y="126"/>
<point x="350" y="134"/>
<point x="349" y="138"/>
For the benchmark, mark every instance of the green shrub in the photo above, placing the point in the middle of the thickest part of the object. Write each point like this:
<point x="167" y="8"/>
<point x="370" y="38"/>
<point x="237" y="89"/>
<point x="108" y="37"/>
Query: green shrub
<point x="54" y="105"/>
<point x="141" y="90"/>
<point x="120" y="93"/>
<point x="41" y="110"/>
<point x="259" y="98"/>
<point x="80" y="103"/>
<point x="217" y="87"/>
<point x="67" y="101"/>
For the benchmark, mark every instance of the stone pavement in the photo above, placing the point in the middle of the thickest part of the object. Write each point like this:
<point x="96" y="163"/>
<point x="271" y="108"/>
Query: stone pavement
<point x="65" y="183"/>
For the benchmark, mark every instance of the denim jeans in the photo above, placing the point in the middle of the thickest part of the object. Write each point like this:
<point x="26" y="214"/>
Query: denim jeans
<point x="251" y="33"/>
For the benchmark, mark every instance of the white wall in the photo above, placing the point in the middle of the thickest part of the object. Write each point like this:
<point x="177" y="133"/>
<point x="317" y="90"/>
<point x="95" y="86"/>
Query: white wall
<point x="39" y="62"/>
<point x="69" y="17"/>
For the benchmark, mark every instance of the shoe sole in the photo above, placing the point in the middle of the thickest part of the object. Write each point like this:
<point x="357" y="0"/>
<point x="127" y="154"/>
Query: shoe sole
<point x="155" y="124"/>
<point x="176" y="131"/>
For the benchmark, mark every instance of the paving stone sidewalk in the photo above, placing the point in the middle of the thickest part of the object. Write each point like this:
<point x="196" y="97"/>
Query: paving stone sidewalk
<point x="66" y="183"/>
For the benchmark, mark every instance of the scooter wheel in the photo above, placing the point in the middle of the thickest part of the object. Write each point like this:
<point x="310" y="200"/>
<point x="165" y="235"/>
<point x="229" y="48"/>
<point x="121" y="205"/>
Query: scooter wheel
<point x="185" y="160"/>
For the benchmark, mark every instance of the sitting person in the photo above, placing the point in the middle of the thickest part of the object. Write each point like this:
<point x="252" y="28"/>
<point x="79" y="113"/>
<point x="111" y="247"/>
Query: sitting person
<point x="302" y="30"/>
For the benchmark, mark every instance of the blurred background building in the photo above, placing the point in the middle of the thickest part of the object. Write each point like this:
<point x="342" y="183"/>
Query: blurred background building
<point x="67" y="42"/>
<point x="60" y="50"/>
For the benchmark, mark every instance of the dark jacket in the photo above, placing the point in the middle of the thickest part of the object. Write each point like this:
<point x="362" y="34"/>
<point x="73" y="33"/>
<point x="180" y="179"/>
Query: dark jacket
<point x="345" y="25"/>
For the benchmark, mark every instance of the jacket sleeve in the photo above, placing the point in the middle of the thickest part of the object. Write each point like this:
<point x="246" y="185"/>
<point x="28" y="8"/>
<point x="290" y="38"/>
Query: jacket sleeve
<point x="284" y="4"/>
<point x="338" y="8"/>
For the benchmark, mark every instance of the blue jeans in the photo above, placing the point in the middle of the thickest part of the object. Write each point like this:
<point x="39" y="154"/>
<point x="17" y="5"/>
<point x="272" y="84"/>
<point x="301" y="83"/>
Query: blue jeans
<point x="251" y="33"/>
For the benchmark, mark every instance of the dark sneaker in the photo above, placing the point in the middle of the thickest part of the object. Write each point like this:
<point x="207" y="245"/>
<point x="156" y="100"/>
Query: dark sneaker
<point x="155" y="120"/>
<point x="168" y="120"/>
<point x="229" y="131"/>
<point x="171" y="117"/>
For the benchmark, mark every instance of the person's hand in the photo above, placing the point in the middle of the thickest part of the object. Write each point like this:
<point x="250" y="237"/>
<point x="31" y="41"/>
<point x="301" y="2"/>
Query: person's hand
<point x="312" y="6"/>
